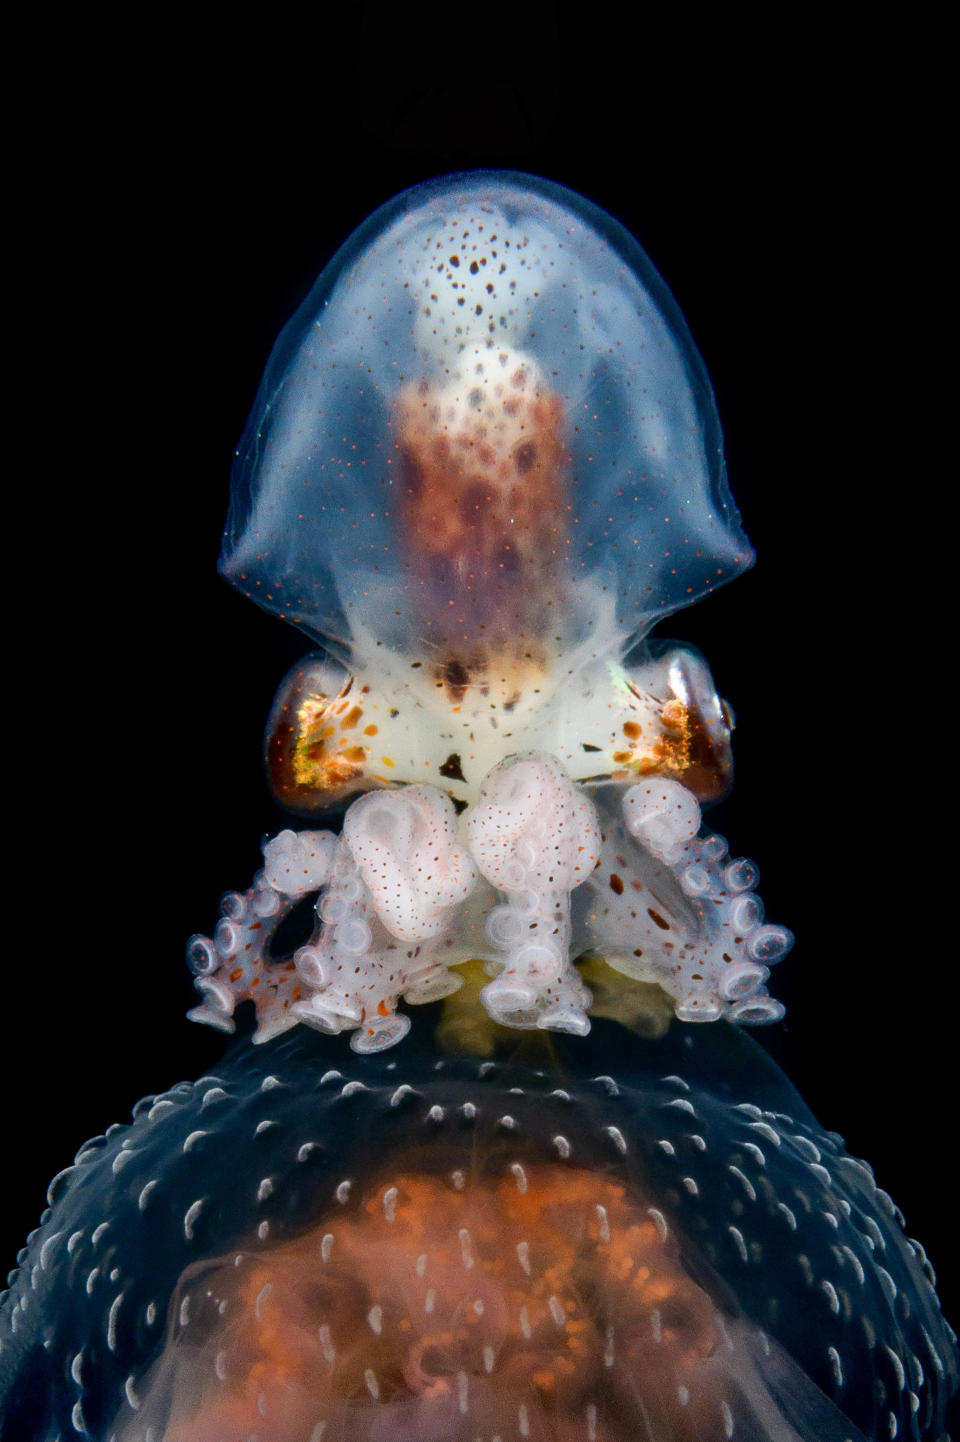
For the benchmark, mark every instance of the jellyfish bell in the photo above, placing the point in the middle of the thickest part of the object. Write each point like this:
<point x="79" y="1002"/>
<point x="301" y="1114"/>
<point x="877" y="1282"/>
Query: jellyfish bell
<point x="630" y="1244"/>
<point x="484" y="460"/>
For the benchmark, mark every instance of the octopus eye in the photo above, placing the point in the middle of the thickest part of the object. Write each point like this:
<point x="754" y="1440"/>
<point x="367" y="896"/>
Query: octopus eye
<point x="486" y="420"/>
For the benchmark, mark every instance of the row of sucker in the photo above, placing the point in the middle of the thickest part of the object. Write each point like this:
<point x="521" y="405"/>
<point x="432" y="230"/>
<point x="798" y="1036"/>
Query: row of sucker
<point x="536" y="838"/>
<point x="656" y="898"/>
<point x="666" y="904"/>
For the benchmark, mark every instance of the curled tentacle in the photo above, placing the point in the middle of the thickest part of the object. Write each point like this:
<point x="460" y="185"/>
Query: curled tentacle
<point x="405" y="847"/>
<point x="399" y="905"/>
<point x="666" y="905"/>
<point x="535" y="836"/>
<point x="234" y="965"/>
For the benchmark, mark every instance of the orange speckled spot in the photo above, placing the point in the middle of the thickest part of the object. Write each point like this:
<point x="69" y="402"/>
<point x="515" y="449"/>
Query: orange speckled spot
<point x="684" y="746"/>
<point x="305" y="771"/>
<point x="673" y="716"/>
<point x="370" y="730"/>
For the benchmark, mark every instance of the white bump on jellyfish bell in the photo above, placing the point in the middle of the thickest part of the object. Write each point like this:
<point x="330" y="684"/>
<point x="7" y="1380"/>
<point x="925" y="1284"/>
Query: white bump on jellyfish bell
<point x="497" y="306"/>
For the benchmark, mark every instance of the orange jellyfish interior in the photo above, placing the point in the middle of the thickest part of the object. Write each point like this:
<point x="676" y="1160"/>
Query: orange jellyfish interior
<point x="547" y="1302"/>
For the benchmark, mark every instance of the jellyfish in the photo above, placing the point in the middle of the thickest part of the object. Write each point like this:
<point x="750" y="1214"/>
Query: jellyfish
<point x="492" y="1152"/>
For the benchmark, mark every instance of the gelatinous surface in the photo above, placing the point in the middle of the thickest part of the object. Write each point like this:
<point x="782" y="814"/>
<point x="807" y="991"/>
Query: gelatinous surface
<point x="486" y="430"/>
<point x="653" y="1241"/>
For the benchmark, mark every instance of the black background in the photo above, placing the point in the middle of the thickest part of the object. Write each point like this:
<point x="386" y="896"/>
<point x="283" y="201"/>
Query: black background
<point x="180" y="203"/>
